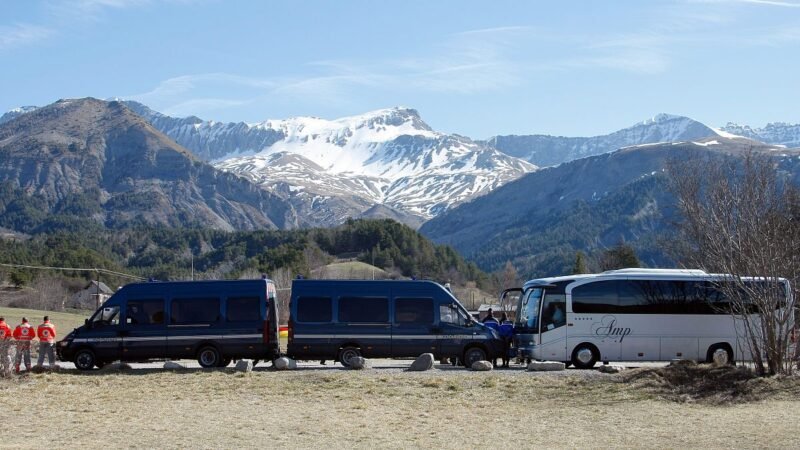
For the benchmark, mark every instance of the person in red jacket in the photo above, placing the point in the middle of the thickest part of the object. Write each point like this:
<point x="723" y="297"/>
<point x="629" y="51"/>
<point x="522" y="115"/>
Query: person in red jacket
<point x="5" y="346"/>
<point x="24" y="334"/>
<point x="47" y="339"/>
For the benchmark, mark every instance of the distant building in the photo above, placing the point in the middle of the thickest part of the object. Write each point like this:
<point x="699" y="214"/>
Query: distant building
<point x="92" y="296"/>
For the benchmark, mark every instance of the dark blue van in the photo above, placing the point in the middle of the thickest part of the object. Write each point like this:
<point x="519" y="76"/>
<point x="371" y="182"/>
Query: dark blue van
<point x="336" y="319"/>
<point x="213" y="321"/>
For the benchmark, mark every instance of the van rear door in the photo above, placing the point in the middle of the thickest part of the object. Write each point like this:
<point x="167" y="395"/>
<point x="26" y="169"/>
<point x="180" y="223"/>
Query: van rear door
<point x="271" y="329"/>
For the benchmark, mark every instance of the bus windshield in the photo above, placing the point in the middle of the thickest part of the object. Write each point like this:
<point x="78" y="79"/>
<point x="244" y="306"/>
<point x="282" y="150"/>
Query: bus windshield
<point x="528" y="310"/>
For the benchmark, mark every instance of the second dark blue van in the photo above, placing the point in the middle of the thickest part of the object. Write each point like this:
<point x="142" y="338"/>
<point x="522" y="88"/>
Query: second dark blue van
<point x="213" y="321"/>
<point x="338" y="319"/>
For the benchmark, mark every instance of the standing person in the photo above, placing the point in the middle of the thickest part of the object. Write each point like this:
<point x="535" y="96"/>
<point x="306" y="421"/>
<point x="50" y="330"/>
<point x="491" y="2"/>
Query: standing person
<point x="489" y="319"/>
<point x="5" y="346"/>
<point x="492" y="323"/>
<point x="47" y="338"/>
<point x="24" y="333"/>
<point x="506" y="333"/>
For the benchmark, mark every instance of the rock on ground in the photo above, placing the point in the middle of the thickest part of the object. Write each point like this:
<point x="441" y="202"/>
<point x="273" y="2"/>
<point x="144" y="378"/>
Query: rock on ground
<point x="482" y="366"/>
<point x="422" y="363"/>
<point x="546" y="366"/>
<point x="682" y="362"/>
<point x="244" y="365"/>
<point x="610" y="369"/>
<point x="172" y="365"/>
<point x="282" y="363"/>
<point x="360" y="363"/>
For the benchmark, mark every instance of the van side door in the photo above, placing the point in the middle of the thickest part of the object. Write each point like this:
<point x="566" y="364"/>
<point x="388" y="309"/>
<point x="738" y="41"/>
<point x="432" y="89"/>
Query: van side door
<point x="363" y="321"/>
<point x="413" y="326"/>
<point x="144" y="333"/>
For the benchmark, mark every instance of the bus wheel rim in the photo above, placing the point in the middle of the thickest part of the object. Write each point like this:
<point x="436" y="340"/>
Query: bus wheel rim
<point x="585" y="355"/>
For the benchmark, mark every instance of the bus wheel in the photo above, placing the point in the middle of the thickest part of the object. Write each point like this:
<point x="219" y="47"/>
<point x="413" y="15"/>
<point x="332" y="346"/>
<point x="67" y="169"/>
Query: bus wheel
<point x="584" y="356"/>
<point x="720" y="354"/>
<point x="84" y="359"/>
<point x="208" y="357"/>
<point x="347" y="354"/>
<point x="473" y="355"/>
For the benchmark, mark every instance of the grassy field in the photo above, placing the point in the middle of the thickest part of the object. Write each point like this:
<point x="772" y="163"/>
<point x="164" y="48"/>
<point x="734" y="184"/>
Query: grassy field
<point x="353" y="270"/>
<point x="64" y="321"/>
<point x="344" y="409"/>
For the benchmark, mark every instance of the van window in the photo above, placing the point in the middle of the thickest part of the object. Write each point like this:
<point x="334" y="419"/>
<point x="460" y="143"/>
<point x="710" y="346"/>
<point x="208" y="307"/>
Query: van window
<point x="451" y="314"/>
<point x="194" y="310"/>
<point x="145" y="312"/>
<point x="314" y="309"/>
<point x="413" y="310"/>
<point x="243" y="309"/>
<point x="364" y="309"/>
<point x="107" y="316"/>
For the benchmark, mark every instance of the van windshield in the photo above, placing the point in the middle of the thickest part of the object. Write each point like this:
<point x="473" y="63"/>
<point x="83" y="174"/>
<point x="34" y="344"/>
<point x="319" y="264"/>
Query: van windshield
<point x="528" y="310"/>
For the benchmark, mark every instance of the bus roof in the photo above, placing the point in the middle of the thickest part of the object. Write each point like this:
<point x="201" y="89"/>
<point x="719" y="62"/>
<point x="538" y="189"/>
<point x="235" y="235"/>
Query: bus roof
<point x="636" y="273"/>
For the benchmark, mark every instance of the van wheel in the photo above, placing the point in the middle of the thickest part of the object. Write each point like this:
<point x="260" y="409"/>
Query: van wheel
<point x="584" y="356"/>
<point x="208" y="357"/>
<point x="84" y="359"/>
<point x="473" y="355"/>
<point x="347" y="354"/>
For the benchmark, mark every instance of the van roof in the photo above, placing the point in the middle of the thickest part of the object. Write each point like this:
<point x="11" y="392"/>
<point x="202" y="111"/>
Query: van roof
<point x="199" y="282"/>
<point x="370" y="282"/>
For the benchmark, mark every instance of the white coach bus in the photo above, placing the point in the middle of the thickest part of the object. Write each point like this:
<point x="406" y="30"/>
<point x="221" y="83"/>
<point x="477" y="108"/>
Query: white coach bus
<point x="627" y="315"/>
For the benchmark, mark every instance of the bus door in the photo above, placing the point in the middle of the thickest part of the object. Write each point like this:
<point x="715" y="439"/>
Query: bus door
<point x="144" y="333"/>
<point x="553" y="329"/>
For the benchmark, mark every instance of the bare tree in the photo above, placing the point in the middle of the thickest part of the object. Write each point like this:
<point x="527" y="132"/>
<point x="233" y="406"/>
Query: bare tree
<point x="283" y="282"/>
<point x="740" y="219"/>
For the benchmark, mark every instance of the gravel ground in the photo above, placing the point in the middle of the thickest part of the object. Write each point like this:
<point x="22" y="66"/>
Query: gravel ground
<point x="388" y="366"/>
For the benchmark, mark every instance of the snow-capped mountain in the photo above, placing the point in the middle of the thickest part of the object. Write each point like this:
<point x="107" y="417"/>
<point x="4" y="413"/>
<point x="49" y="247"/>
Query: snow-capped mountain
<point x="209" y="139"/>
<point x="387" y="157"/>
<point x="778" y="133"/>
<point x="546" y="150"/>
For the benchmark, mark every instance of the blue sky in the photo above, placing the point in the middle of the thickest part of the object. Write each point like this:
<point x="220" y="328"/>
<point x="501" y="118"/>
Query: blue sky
<point x="574" y="68"/>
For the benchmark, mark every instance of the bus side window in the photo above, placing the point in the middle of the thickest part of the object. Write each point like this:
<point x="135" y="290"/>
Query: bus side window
<point x="553" y="313"/>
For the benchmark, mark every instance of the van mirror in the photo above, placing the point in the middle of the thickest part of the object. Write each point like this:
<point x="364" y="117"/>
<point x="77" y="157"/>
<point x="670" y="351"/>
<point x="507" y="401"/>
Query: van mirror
<point x="86" y="322"/>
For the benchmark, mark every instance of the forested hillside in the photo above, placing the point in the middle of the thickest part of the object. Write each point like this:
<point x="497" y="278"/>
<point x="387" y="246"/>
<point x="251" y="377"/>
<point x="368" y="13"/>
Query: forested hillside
<point x="180" y="253"/>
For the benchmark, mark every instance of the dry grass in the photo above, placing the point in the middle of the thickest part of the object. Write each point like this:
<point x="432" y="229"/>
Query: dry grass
<point x="710" y="384"/>
<point x="343" y="409"/>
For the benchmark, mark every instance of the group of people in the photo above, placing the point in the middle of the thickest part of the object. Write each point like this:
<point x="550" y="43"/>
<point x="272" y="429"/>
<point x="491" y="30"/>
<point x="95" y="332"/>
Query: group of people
<point x="22" y="336"/>
<point x="505" y="328"/>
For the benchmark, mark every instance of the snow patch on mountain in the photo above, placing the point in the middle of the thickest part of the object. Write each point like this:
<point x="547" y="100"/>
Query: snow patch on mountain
<point x="779" y="133"/>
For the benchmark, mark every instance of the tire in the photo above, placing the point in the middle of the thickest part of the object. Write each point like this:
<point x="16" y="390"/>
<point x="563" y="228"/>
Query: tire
<point x="348" y="353"/>
<point x="84" y="359"/>
<point x="720" y="348"/>
<point x="584" y="356"/>
<point x="208" y="357"/>
<point x="473" y="355"/>
<point x="225" y="362"/>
